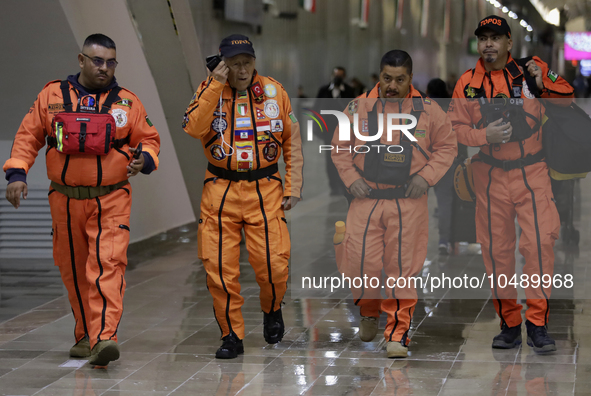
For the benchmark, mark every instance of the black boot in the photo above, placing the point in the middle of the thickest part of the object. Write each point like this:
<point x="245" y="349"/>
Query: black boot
<point x="231" y="347"/>
<point x="538" y="338"/>
<point x="273" y="327"/>
<point x="508" y="338"/>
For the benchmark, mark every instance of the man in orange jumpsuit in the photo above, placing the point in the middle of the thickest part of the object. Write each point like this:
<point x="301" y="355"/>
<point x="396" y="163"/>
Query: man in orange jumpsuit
<point x="245" y="121"/>
<point x="90" y="196"/>
<point x="510" y="176"/>
<point x="387" y="223"/>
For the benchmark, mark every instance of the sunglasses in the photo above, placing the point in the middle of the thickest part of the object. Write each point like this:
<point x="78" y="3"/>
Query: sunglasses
<point x="99" y="62"/>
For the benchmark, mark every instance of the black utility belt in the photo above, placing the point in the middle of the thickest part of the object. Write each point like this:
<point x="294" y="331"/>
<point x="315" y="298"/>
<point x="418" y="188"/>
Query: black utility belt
<point x="117" y="143"/>
<point x="530" y="159"/>
<point x="248" y="175"/>
<point x="388" y="193"/>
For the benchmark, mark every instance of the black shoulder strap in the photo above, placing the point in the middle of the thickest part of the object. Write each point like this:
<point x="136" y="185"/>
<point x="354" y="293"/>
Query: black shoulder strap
<point x="529" y="79"/>
<point x="111" y="98"/>
<point x="65" y="87"/>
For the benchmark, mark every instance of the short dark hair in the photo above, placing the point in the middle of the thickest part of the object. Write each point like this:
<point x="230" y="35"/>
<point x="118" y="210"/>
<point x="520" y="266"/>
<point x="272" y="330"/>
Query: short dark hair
<point x="396" y="58"/>
<point x="99" y="39"/>
<point x="341" y="68"/>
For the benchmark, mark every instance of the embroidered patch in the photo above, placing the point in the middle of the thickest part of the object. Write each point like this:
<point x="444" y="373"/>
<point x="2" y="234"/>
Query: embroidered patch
<point x="243" y="122"/>
<point x="217" y="153"/>
<point x="293" y="117"/>
<point x="219" y="125"/>
<point x="149" y="122"/>
<point x="276" y="125"/>
<point x="270" y="151"/>
<point x="553" y="76"/>
<point x="260" y="114"/>
<point x="270" y="90"/>
<point x="271" y="108"/>
<point x="120" y="117"/>
<point x="185" y="120"/>
<point x="420" y="133"/>
<point x="126" y="102"/>
<point x="242" y="109"/>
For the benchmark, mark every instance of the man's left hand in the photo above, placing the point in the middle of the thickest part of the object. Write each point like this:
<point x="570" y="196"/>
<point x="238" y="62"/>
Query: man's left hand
<point x="289" y="202"/>
<point x="536" y="72"/>
<point x="417" y="187"/>
<point x="136" y="165"/>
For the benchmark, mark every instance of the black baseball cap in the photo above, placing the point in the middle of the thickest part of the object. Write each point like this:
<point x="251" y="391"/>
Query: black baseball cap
<point x="236" y="44"/>
<point x="495" y="23"/>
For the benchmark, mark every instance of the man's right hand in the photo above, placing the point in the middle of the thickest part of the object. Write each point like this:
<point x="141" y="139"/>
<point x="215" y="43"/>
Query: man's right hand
<point x="497" y="133"/>
<point x="359" y="188"/>
<point x="14" y="191"/>
<point x="220" y="73"/>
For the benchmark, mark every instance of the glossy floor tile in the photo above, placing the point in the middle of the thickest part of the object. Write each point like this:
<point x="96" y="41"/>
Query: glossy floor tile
<point x="168" y="335"/>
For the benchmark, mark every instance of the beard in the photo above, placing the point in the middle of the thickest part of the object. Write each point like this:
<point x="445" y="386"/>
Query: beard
<point x="490" y="58"/>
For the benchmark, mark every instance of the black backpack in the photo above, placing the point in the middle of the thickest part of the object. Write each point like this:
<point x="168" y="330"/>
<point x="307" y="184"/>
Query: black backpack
<point x="566" y="133"/>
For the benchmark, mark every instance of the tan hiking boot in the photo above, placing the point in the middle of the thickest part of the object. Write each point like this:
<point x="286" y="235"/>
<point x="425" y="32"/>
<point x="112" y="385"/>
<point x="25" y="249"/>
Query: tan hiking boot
<point x="104" y="352"/>
<point x="81" y="348"/>
<point x="396" y="350"/>
<point x="368" y="328"/>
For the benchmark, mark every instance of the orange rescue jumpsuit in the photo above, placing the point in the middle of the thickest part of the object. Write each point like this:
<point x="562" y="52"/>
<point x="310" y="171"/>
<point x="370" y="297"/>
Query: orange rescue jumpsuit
<point x="255" y="131"/>
<point x="90" y="236"/>
<point x="391" y="234"/>
<point x="501" y="195"/>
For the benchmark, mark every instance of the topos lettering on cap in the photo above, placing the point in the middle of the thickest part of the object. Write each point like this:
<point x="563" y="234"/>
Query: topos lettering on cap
<point x="495" y="23"/>
<point x="236" y="44"/>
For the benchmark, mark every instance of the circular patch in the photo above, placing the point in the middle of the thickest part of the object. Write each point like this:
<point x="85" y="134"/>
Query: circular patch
<point x="271" y="109"/>
<point x="270" y="151"/>
<point x="87" y="101"/>
<point x="270" y="90"/>
<point x="120" y="117"/>
<point x="217" y="153"/>
<point x="353" y="106"/>
<point x="526" y="92"/>
<point x="219" y="125"/>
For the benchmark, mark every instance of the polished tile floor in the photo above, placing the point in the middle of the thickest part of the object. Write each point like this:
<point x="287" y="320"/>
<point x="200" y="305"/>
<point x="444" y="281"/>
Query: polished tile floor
<point x="168" y="334"/>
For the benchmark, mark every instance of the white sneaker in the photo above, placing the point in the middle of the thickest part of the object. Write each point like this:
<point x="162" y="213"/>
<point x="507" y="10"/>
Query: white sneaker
<point x="368" y="328"/>
<point x="396" y="350"/>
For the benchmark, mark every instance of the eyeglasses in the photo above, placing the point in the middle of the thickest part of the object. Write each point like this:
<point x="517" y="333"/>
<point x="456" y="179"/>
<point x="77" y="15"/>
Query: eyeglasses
<point x="99" y="62"/>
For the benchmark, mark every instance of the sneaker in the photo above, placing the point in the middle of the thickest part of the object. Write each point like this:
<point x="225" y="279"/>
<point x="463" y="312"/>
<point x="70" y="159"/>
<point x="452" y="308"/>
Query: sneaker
<point x="538" y="338"/>
<point x="368" y="328"/>
<point x="104" y="352"/>
<point x="395" y="349"/>
<point x="273" y="327"/>
<point x="231" y="347"/>
<point x="508" y="338"/>
<point x="81" y="348"/>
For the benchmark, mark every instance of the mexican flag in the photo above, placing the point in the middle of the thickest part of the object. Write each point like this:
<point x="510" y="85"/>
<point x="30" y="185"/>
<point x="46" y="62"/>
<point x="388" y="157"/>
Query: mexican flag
<point x="308" y="5"/>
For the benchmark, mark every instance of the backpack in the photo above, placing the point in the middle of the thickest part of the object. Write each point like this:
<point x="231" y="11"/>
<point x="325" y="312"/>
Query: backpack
<point x="566" y="135"/>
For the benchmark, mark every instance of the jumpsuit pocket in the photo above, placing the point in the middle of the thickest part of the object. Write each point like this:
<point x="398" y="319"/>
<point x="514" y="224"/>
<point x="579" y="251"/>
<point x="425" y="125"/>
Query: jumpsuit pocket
<point x="205" y="233"/>
<point x="282" y="243"/>
<point x="121" y="232"/>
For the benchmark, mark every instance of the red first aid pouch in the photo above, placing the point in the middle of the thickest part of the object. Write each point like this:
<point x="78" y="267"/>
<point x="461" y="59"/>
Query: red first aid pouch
<point x="84" y="133"/>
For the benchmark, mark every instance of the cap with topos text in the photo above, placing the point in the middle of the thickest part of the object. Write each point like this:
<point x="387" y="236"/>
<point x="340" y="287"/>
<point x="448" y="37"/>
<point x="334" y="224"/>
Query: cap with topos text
<point x="236" y="44"/>
<point x="496" y="24"/>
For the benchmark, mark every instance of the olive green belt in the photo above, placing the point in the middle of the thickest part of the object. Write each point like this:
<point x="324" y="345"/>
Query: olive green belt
<point x="86" y="192"/>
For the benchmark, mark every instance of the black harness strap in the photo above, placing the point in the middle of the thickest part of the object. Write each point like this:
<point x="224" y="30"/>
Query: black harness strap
<point x="65" y="87"/>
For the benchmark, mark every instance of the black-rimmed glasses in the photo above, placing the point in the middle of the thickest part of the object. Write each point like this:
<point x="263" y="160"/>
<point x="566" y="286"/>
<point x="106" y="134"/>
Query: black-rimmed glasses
<point x="99" y="62"/>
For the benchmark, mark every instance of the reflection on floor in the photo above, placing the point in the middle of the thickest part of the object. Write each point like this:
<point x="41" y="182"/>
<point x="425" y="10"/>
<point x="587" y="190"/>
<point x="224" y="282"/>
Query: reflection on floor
<point x="168" y="336"/>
